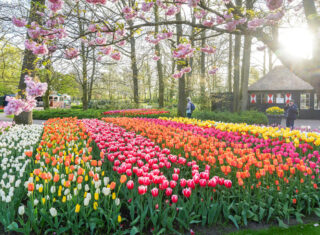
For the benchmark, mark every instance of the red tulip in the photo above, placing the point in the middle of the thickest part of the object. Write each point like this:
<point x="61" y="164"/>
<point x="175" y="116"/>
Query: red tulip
<point x="142" y="189"/>
<point x="176" y="170"/>
<point x="186" y="192"/>
<point x="203" y="183"/>
<point x="165" y="184"/>
<point x="221" y="181"/>
<point x="174" y="198"/>
<point x="130" y="184"/>
<point x="183" y="183"/>
<point x="190" y="183"/>
<point x="168" y="191"/>
<point x="228" y="183"/>
<point x="154" y="192"/>
<point x="212" y="183"/>
<point x="175" y="177"/>
<point x="173" y="184"/>
<point x="129" y="172"/>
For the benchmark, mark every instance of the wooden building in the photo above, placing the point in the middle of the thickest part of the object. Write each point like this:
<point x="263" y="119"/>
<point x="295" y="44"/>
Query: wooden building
<point x="279" y="86"/>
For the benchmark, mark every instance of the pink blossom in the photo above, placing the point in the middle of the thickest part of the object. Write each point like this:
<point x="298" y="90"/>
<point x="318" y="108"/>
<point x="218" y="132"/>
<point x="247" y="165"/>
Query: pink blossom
<point x="183" y="51"/>
<point x="231" y="26"/>
<point x="92" y="28"/>
<point x="71" y="53"/>
<point x="121" y="43"/>
<point x="193" y="3"/>
<point x="40" y="49"/>
<point x="209" y="50"/>
<point x="186" y="70"/>
<point x="275" y="16"/>
<point x="97" y="1"/>
<point x="200" y="14"/>
<point x="34" y="32"/>
<point x="116" y="55"/>
<point x="56" y="5"/>
<point x="100" y="41"/>
<point x="14" y="106"/>
<point x="19" y="22"/>
<point x="156" y="58"/>
<point x="255" y="23"/>
<point x="213" y="71"/>
<point x="146" y="6"/>
<point x="30" y="45"/>
<point x="219" y="20"/>
<point x="160" y="4"/>
<point x="172" y="10"/>
<point x="178" y="75"/>
<point x="106" y="50"/>
<point x="274" y="4"/>
<point x="35" y="89"/>
<point x="208" y="23"/>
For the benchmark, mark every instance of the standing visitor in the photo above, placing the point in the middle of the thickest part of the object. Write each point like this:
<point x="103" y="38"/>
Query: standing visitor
<point x="291" y="111"/>
<point x="190" y="107"/>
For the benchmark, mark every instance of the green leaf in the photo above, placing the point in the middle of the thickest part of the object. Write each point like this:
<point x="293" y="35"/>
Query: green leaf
<point x="261" y="213"/>
<point x="281" y="224"/>
<point x="134" y="231"/>
<point x="244" y="217"/>
<point x="271" y="210"/>
<point x="13" y="226"/>
<point x="234" y="221"/>
<point x="135" y="221"/>
<point x="317" y="211"/>
<point x="298" y="217"/>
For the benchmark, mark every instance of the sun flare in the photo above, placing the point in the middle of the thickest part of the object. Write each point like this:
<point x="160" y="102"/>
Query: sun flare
<point x="296" y="42"/>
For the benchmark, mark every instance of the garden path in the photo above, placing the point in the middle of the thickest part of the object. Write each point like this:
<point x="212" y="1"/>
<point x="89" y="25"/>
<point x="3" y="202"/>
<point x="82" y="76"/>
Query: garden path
<point x="3" y="117"/>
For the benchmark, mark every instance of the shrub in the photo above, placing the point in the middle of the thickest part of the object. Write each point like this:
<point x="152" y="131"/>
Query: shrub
<point x="54" y="113"/>
<point x="249" y="117"/>
<point x="76" y="106"/>
<point x="275" y="110"/>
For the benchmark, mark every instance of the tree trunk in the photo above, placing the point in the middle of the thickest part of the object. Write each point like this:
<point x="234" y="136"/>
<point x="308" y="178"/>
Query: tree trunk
<point x="92" y="76"/>
<point x="245" y="71"/>
<point x="134" y="69"/>
<point x="28" y="63"/>
<point x="203" y="70"/>
<point x="173" y="81"/>
<point x="236" y="74"/>
<point x="182" y="99"/>
<point x="159" y="63"/>
<point x="230" y="64"/>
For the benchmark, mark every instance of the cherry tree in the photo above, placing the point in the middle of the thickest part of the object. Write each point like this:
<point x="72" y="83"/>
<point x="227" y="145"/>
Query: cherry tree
<point x="255" y="20"/>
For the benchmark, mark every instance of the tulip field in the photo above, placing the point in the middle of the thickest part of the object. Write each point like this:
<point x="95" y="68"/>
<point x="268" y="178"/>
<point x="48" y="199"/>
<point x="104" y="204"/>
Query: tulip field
<point x="123" y="175"/>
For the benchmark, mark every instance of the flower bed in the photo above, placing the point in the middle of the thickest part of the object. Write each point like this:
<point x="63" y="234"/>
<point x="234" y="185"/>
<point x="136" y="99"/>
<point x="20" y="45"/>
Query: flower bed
<point x="151" y="113"/>
<point x="269" y="175"/>
<point x="15" y="147"/>
<point x="68" y="190"/>
<point x="163" y="188"/>
<point x="130" y="175"/>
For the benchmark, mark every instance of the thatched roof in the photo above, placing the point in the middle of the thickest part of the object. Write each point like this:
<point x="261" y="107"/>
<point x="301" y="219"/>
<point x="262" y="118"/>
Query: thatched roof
<point x="280" y="79"/>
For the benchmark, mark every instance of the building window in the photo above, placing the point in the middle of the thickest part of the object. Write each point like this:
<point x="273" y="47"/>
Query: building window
<point x="259" y="98"/>
<point x="279" y="98"/>
<point x="316" y="104"/>
<point x="268" y="98"/>
<point x="305" y="101"/>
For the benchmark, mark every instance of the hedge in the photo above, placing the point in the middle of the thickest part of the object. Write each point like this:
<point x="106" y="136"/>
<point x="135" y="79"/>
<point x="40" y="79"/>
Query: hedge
<point x="249" y="117"/>
<point x="54" y="113"/>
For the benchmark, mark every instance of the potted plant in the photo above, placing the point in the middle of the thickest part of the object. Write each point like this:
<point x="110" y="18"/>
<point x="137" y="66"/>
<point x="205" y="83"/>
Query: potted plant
<point x="275" y="115"/>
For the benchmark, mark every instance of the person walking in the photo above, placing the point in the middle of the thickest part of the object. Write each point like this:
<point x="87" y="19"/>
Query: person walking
<point x="190" y="107"/>
<point x="291" y="111"/>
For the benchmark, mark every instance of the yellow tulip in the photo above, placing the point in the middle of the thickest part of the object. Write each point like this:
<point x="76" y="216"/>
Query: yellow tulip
<point x="96" y="196"/>
<point x="77" y="208"/>
<point x="119" y="219"/>
<point x="64" y="199"/>
<point x="43" y="200"/>
<point x="113" y="196"/>
<point x="40" y="189"/>
<point x="95" y="205"/>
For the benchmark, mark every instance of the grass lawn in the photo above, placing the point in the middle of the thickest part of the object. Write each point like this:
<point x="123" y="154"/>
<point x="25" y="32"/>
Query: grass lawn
<point x="292" y="230"/>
